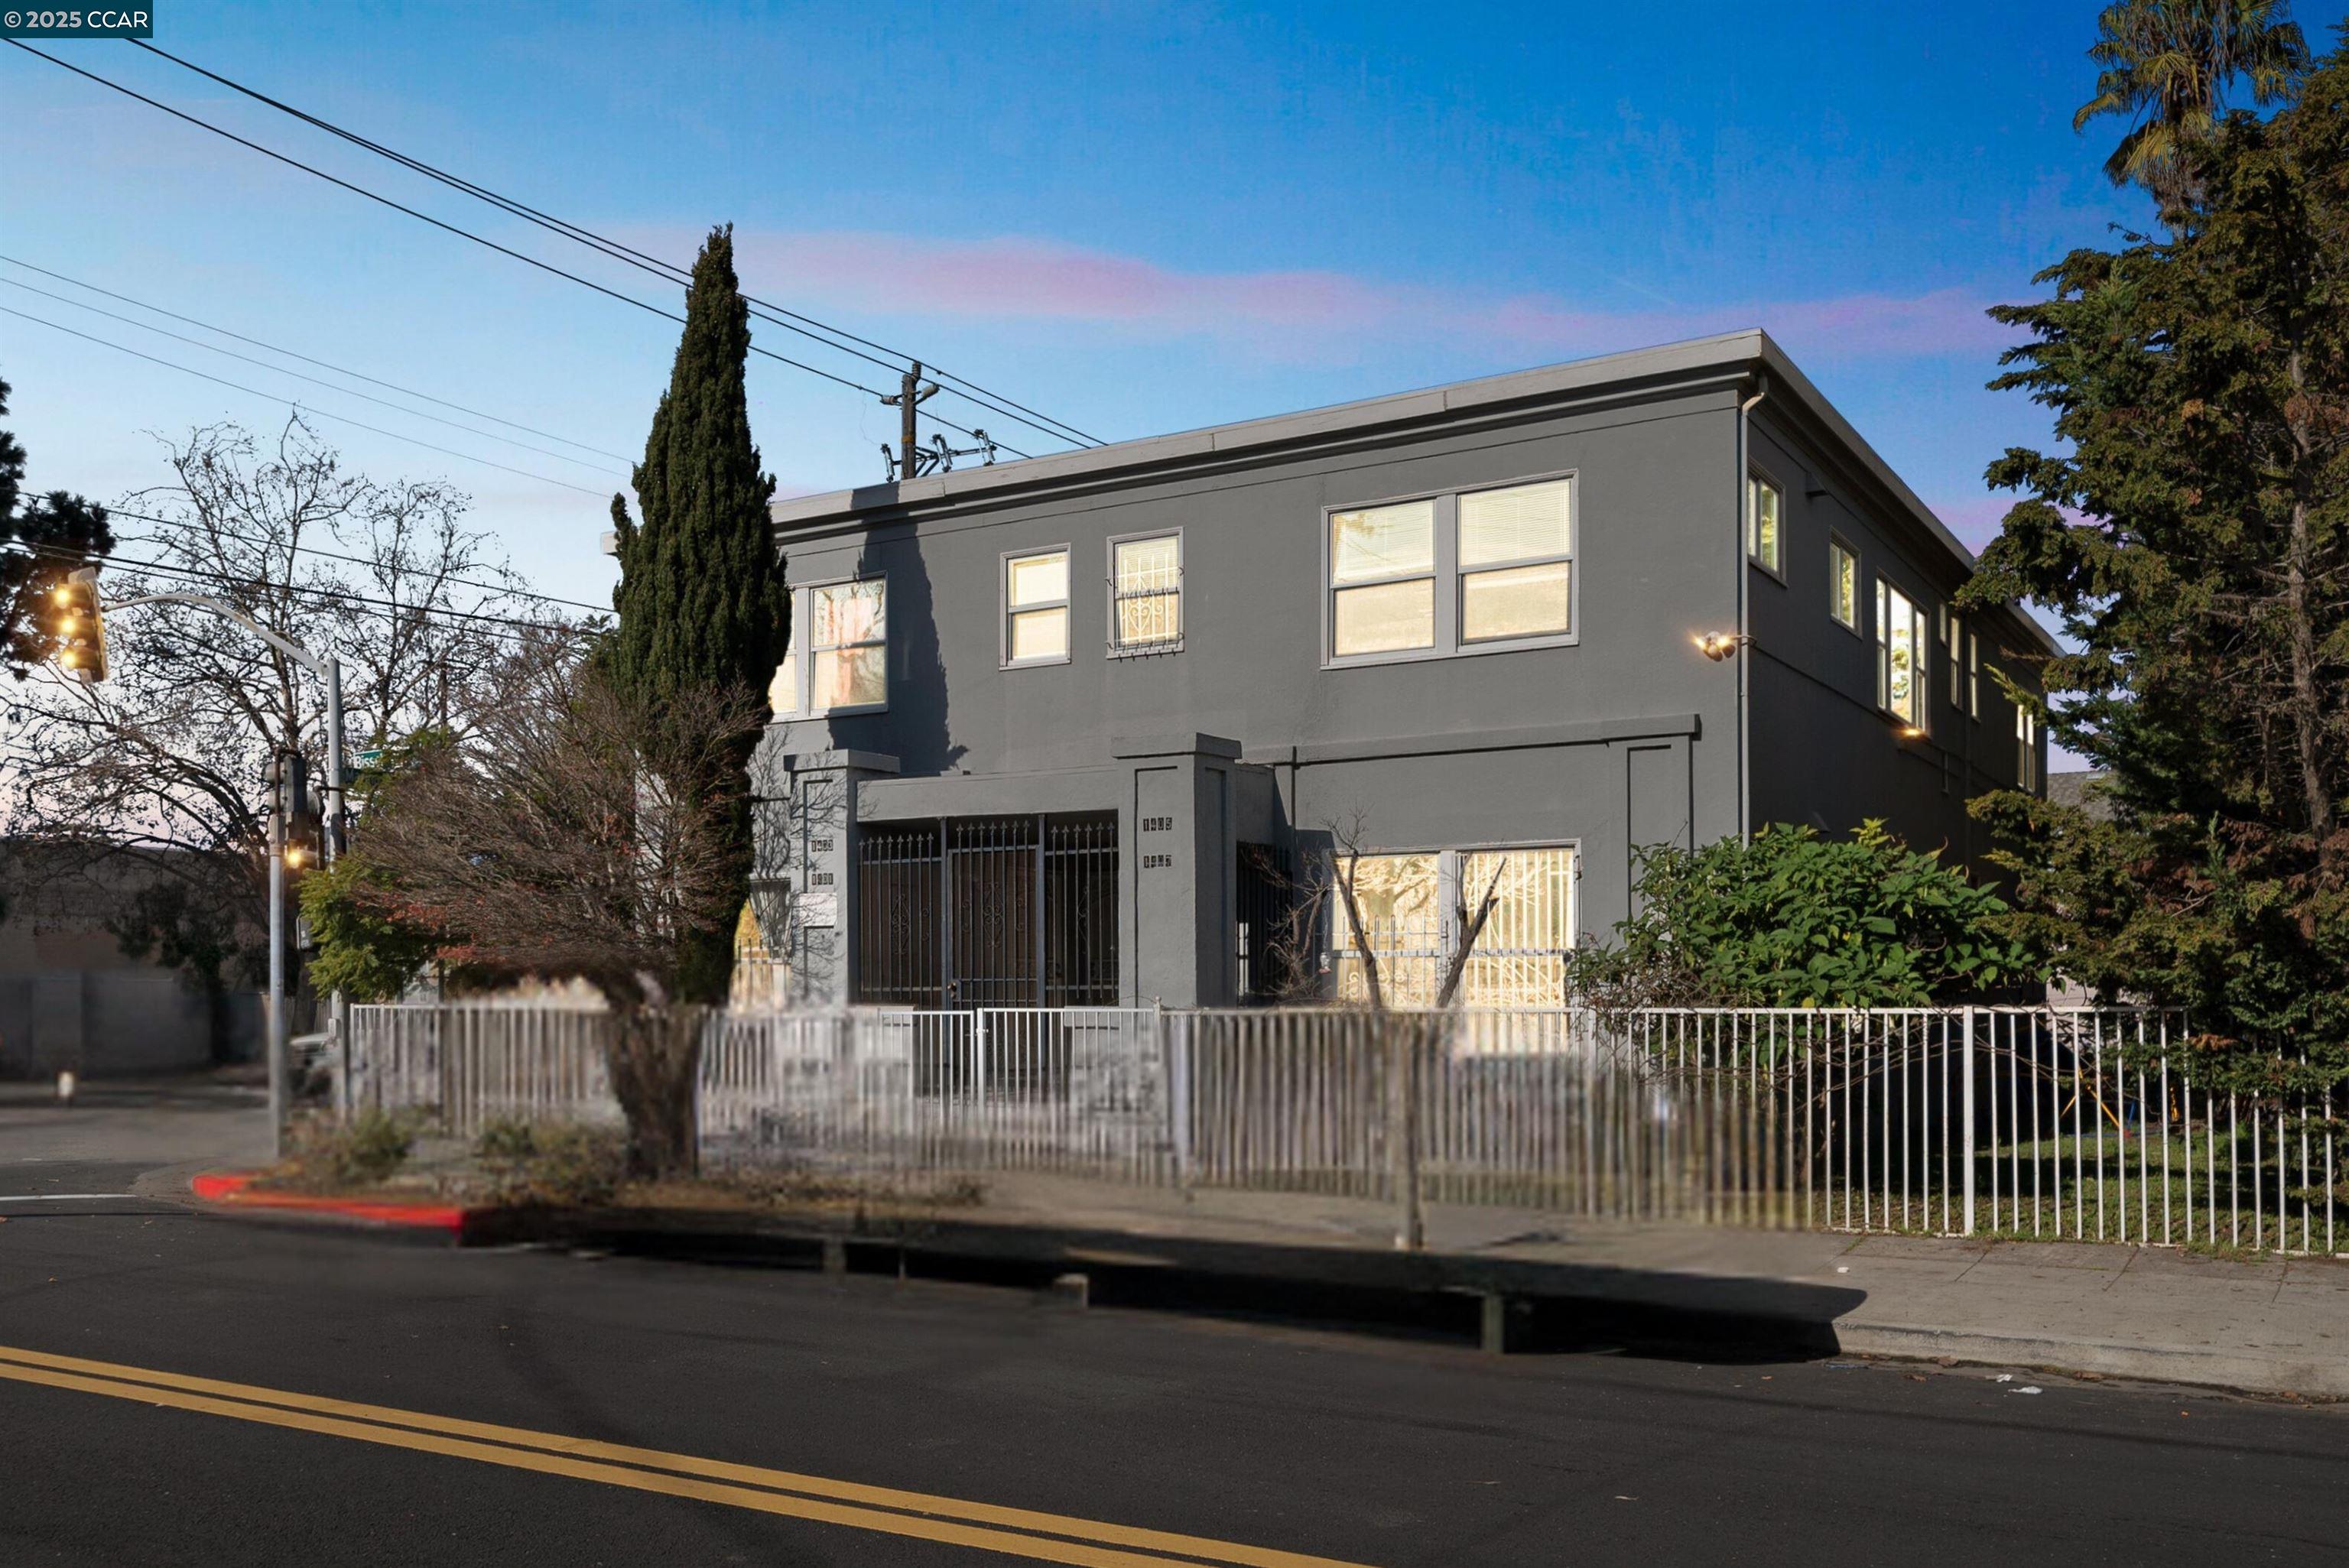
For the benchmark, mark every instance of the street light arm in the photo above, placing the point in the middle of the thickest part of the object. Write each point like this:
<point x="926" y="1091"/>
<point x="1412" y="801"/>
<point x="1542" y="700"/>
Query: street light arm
<point x="308" y="660"/>
<point x="328" y="670"/>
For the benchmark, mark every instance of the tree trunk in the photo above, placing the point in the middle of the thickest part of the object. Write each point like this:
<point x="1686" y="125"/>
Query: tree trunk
<point x="655" y="1061"/>
<point x="2307" y="711"/>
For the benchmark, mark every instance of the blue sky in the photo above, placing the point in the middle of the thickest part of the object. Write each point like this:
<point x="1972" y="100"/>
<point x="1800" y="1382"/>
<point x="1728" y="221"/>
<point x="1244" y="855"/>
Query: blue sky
<point x="1139" y="217"/>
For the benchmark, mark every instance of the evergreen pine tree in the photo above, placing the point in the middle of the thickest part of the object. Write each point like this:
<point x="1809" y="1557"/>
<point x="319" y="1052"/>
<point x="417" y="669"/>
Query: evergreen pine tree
<point x="702" y="599"/>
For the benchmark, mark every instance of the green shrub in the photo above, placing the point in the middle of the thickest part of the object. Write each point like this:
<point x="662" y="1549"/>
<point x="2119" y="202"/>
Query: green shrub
<point x="1795" y="919"/>
<point x="558" y="1165"/>
<point x="366" y="1151"/>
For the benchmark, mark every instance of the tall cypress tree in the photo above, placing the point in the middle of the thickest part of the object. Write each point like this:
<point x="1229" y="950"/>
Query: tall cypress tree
<point x="701" y="598"/>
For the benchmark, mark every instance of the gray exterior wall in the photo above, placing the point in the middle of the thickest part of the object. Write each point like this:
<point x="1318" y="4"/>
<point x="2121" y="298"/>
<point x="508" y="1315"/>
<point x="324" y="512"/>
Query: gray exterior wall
<point x="1628" y="735"/>
<point x="1823" y="754"/>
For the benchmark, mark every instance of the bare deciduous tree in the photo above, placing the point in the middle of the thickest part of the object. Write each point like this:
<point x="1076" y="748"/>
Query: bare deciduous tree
<point x="169" y="753"/>
<point x="1409" y="1037"/>
<point x="578" y="832"/>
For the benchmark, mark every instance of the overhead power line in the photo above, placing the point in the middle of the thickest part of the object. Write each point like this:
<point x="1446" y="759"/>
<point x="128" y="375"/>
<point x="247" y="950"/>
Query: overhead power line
<point x="291" y="403"/>
<point x="454" y="229"/>
<point x="260" y="543"/>
<point x="263" y="544"/>
<point x="230" y="578"/>
<point x="324" y="364"/>
<point x="795" y="321"/>
<point x="313" y="380"/>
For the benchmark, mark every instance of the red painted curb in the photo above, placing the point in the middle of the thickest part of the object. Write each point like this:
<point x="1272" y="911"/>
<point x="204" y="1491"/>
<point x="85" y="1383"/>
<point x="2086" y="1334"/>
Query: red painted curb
<point x="236" y="1187"/>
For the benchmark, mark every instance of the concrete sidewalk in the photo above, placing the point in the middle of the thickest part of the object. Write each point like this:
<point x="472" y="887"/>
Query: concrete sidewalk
<point x="2269" y="1325"/>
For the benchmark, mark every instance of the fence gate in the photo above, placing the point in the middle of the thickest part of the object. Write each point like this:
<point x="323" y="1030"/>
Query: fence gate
<point x="989" y="912"/>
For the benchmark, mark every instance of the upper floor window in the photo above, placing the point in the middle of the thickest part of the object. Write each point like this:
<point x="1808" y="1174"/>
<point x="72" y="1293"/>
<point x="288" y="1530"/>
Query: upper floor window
<point x="783" y="691"/>
<point x="1973" y="677"/>
<point x="1382" y="579"/>
<point x="1036" y="607"/>
<point x="1450" y="573"/>
<point x="1145" y="586"/>
<point x="1765" y="524"/>
<point x="1843" y="583"/>
<point x="2026" y="747"/>
<point x="1900" y="643"/>
<point x="1517" y="564"/>
<point x="848" y="645"/>
<point x="1953" y="643"/>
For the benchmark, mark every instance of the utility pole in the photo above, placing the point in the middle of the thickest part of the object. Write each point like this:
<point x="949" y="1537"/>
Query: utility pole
<point x="912" y="393"/>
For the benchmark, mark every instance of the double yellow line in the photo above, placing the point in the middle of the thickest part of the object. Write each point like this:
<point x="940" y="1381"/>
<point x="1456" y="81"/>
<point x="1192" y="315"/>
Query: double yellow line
<point x="1013" y="1532"/>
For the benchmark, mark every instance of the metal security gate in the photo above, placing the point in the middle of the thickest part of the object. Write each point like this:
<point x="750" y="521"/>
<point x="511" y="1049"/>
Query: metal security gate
<point x="989" y="912"/>
<point x="1276" y="925"/>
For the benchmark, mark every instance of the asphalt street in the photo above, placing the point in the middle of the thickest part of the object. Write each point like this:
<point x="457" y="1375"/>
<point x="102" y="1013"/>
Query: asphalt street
<point x="1037" y="1430"/>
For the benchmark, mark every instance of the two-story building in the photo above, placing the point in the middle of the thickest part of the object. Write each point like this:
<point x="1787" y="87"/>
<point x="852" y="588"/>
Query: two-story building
<point x="1077" y="730"/>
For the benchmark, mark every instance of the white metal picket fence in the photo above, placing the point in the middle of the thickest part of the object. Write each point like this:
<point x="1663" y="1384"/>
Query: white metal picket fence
<point x="1080" y="1090"/>
<point x="471" y="1065"/>
<point x="2089" y="1124"/>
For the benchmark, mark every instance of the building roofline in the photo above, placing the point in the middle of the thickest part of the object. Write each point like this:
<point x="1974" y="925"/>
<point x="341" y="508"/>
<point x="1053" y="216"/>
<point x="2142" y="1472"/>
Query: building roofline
<point x="1742" y="354"/>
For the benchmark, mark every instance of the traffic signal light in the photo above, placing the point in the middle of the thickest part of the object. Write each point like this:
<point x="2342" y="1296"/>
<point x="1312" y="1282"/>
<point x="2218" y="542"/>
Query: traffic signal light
<point x="80" y="626"/>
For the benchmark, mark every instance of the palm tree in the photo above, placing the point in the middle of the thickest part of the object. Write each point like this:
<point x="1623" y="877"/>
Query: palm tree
<point x="2166" y="65"/>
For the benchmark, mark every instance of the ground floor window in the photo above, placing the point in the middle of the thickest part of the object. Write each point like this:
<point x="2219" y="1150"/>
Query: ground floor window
<point x="1411" y="905"/>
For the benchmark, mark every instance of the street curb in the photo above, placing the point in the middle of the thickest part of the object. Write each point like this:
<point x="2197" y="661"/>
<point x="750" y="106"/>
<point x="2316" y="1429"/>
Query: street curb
<point x="2230" y="1370"/>
<point x="1744" y="1313"/>
<point x="235" y="1190"/>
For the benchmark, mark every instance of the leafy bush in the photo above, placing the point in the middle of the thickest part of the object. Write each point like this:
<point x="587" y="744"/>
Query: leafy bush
<point x="555" y="1166"/>
<point x="1794" y="920"/>
<point x="365" y="1152"/>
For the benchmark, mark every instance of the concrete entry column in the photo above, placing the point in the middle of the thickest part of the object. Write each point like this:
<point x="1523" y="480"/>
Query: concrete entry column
<point x="805" y="822"/>
<point x="1175" y="871"/>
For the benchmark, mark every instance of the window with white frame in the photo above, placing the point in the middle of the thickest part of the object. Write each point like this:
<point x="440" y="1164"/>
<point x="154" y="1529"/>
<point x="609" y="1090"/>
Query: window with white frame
<point x="2026" y="747"/>
<point x="1145" y="586"/>
<point x="848" y="645"/>
<point x="1974" y="677"/>
<point x="1900" y="643"/>
<point x="1036" y="607"/>
<point x="1765" y="529"/>
<point x="1465" y="571"/>
<point x="1843" y="583"/>
<point x="1517" y="562"/>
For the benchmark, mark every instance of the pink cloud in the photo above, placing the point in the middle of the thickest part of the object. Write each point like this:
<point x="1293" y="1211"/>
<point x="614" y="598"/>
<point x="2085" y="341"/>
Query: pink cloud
<point x="1016" y="278"/>
<point x="1977" y="519"/>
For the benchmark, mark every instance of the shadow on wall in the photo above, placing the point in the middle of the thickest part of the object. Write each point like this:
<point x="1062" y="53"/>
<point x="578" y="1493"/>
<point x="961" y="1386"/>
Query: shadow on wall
<point x="915" y="728"/>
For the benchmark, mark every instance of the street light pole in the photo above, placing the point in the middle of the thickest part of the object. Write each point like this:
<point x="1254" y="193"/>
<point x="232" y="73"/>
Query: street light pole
<point x="274" y="1011"/>
<point x="329" y="671"/>
<point x="331" y="832"/>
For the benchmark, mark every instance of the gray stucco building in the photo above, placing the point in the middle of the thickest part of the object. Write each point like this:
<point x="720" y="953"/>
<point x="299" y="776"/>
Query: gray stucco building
<point x="1077" y="730"/>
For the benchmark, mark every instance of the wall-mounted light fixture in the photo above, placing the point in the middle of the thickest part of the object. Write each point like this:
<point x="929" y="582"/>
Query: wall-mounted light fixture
<point x="1719" y="646"/>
